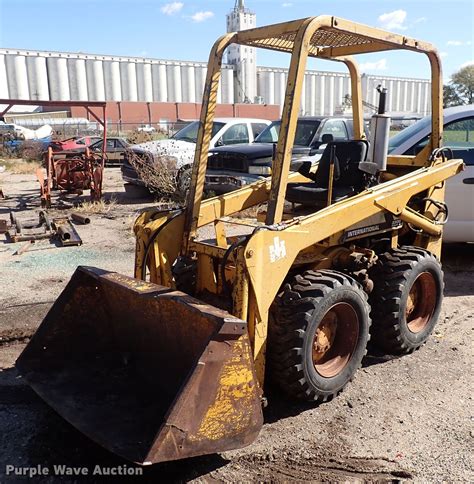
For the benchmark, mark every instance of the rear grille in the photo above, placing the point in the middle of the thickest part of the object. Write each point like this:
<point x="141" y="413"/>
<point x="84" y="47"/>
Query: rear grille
<point x="227" y="163"/>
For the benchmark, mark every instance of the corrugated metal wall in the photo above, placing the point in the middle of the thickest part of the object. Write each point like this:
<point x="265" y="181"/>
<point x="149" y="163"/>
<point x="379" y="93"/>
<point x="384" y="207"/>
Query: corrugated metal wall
<point x="65" y="76"/>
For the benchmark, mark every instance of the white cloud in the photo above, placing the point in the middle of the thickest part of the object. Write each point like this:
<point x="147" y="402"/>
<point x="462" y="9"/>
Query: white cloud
<point x="380" y="65"/>
<point x="457" y="43"/>
<point x="287" y="4"/>
<point x="202" y="16"/>
<point x="420" y="20"/>
<point x="443" y="54"/>
<point x="466" y="64"/>
<point x="172" y="8"/>
<point x="393" y="20"/>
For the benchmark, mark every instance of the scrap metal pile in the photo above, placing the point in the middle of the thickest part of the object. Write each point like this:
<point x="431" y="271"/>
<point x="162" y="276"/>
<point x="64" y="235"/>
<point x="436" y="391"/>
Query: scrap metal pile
<point x="56" y="229"/>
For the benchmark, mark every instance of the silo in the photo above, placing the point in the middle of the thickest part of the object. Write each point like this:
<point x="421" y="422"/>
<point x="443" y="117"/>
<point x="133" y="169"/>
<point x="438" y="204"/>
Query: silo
<point x="77" y="79"/>
<point x="390" y="104"/>
<point x="58" y="79"/>
<point x="398" y="97"/>
<point x="17" y="76"/>
<point x="160" y="83"/>
<point x="228" y="85"/>
<point x="339" y="95"/>
<point x="128" y="78"/>
<point x="189" y="84"/>
<point x="37" y="77"/>
<point x="3" y="78"/>
<point x="144" y="82"/>
<point x="113" y="88"/>
<point x="271" y="86"/>
<point x="409" y="87"/>
<point x="426" y="99"/>
<point x="346" y="87"/>
<point x="418" y="97"/>
<point x="312" y="95"/>
<point x="330" y="95"/>
<point x="303" y="97"/>
<point x="174" y="86"/>
<point x="200" y="80"/>
<point x="321" y="94"/>
<point x="95" y="79"/>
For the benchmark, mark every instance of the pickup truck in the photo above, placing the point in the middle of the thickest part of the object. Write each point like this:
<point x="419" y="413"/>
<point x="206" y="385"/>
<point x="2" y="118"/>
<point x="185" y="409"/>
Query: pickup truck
<point x="231" y="167"/>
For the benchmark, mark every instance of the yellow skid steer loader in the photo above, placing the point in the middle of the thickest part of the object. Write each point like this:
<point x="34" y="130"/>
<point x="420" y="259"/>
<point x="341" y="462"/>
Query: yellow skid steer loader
<point x="287" y="277"/>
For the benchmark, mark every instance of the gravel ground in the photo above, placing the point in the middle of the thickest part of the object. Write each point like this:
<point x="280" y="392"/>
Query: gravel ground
<point x="406" y="419"/>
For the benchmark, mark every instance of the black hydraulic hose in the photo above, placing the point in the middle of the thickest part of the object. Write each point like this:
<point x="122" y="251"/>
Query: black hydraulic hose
<point x="441" y="206"/>
<point x="234" y="246"/>
<point x="152" y="240"/>
<point x="227" y="254"/>
<point x="442" y="151"/>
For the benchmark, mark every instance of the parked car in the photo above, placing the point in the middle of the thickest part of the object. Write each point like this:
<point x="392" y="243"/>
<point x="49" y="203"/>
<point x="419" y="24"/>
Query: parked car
<point x="232" y="167"/>
<point x="181" y="146"/>
<point x="74" y="143"/>
<point x="146" y="128"/>
<point x="459" y="137"/>
<point x="115" y="149"/>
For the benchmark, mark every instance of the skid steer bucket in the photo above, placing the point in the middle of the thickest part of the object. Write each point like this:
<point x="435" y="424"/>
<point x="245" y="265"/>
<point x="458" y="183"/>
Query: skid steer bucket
<point x="147" y="372"/>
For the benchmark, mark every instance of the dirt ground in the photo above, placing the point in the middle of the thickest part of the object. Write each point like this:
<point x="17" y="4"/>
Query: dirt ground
<point x="406" y="419"/>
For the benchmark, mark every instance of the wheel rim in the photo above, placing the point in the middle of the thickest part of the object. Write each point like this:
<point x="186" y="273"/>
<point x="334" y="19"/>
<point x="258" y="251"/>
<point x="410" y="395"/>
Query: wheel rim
<point x="335" y="340"/>
<point x="421" y="302"/>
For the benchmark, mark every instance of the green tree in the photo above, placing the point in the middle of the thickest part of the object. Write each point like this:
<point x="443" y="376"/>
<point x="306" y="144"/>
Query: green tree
<point x="450" y="96"/>
<point x="461" y="88"/>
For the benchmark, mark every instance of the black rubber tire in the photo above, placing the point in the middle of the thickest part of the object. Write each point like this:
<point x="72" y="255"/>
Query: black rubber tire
<point x="394" y="275"/>
<point x="294" y="318"/>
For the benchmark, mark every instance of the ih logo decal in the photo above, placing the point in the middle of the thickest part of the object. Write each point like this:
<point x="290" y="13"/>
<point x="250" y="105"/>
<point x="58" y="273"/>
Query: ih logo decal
<point x="277" y="250"/>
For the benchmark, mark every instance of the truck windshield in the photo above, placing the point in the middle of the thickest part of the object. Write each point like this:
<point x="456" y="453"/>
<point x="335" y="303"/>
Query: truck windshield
<point x="408" y="133"/>
<point x="190" y="132"/>
<point x="305" y="131"/>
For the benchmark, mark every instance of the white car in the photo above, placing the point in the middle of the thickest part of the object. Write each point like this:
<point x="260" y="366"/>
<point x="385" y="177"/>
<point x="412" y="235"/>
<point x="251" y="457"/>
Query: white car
<point x="459" y="136"/>
<point x="225" y="131"/>
<point x="182" y="145"/>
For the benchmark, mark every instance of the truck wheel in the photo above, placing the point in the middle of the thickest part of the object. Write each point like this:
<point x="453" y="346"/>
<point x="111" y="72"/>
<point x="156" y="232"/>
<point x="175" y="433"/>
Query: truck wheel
<point x="318" y="333"/>
<point x="406" y="300"/>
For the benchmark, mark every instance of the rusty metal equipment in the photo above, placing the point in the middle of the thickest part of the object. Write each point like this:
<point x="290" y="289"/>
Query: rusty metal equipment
<point x="71" y="175"/>
<point x="79" y="218"/>
<point x="176" y="367"/>
<point x="60" y="228"/>
<point x="85" y="172"/>
<point x="26" y="230"/>
<point x="65" y="231"/>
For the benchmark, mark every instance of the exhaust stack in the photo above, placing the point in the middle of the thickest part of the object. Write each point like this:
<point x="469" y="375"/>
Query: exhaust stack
<point x="380" y="133"/>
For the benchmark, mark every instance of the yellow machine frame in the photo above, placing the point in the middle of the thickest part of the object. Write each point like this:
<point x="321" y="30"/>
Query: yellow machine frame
<point x="310" y="240"/>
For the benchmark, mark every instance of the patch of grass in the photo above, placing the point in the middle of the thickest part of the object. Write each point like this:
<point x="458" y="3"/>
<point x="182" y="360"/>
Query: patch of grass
<point x="100" y="207"/>
<point x="19" y="166"/>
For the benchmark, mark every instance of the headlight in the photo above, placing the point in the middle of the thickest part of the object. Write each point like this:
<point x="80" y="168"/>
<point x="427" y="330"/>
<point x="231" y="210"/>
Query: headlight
<point x="260" y="170"/>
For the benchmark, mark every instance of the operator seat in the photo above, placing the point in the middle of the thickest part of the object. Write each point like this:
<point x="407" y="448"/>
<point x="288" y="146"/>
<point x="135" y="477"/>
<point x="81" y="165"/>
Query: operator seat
<point x="352" y="174"/>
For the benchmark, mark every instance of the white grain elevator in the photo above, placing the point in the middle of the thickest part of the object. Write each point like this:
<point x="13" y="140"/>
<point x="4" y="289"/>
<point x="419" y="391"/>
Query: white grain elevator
<point x="244" y="58"/>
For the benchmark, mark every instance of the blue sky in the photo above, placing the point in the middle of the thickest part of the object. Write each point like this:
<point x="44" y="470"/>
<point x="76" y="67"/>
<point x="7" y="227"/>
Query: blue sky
<point x="185" y="29"/>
